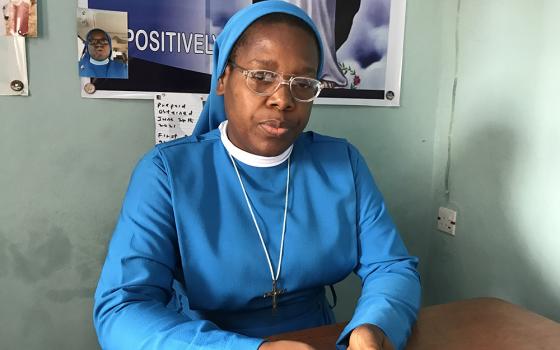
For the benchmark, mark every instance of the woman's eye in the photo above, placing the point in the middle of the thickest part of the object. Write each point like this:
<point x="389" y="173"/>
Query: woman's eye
<point x="263" y="76"/>
<point x="303" y="84"/>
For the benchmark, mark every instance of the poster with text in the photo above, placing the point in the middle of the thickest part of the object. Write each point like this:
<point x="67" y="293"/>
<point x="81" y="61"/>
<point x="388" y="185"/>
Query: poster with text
<point x="13" y="66"/>
<point x="171" y="46"/>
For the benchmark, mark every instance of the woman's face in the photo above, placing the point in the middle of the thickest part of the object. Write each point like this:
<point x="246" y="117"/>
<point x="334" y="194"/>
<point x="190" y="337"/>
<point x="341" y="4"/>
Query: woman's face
<point x="268" y="125"/>
<point x="98" y="46"/>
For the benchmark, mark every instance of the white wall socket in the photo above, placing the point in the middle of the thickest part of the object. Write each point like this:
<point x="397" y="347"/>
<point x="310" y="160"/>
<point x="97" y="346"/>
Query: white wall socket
<point x="447" y="220"/>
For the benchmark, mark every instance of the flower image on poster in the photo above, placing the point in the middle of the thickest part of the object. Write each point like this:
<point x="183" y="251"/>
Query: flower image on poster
<point x="171" y="43"/>
<point x="13" y="66"/>
<point x="19" y="18"/>
<point x="364" y="66"/>
<point x="102" y="44"/>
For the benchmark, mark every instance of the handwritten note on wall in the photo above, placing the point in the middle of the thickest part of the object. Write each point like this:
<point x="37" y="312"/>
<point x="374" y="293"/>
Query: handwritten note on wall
<point x="175" y="115"/>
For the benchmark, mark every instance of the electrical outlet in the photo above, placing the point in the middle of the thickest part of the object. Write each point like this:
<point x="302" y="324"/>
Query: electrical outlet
<point x="447" y="220"/>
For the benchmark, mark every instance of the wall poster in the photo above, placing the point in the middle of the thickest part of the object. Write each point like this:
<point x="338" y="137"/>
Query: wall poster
<point x="170" y="47"/>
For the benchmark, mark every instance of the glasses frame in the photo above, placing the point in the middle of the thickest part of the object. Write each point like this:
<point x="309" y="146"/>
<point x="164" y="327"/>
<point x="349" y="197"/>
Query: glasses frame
<point x="98" y="42"/>
<point x="282" y="81"/>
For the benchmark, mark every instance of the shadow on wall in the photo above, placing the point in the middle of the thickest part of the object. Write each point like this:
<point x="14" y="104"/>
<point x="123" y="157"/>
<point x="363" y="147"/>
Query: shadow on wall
<point x="47" y="289"/>
<point x="489" y="255"/>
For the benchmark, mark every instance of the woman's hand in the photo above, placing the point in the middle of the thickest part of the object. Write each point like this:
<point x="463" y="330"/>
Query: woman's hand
<point x="285" y="345"/>
<point x="369" y="337"/>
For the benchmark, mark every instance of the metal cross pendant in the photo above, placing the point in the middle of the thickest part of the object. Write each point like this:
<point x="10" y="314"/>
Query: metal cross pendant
<point x="275" y="293"/>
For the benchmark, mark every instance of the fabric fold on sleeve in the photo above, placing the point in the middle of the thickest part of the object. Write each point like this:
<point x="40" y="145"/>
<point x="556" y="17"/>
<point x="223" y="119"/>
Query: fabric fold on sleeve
<point x="391" y="292"/>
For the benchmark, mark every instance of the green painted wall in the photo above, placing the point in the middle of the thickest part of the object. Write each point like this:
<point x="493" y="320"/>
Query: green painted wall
<point x="504" y="167"/>
<point x="65" y="163"/>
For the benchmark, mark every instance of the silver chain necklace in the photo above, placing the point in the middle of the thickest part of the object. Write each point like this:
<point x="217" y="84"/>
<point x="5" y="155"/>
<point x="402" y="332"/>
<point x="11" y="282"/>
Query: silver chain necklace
<point x="276" y="291"/>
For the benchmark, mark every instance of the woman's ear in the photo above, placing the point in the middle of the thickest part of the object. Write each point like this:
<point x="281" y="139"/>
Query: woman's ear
<point x="222" y="81"/>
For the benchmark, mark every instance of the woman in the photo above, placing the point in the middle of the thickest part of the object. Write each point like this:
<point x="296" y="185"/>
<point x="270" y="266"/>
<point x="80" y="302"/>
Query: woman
<point x="96" y="61"/>
<point x="230" y="236"/>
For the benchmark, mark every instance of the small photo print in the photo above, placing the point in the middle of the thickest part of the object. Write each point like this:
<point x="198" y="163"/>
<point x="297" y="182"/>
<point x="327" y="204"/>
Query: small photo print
<point x="19" y="18"/>
<point x="102" y="43"/>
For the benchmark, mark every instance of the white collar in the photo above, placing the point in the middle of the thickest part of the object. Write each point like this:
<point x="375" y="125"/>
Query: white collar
<point x="98" y="63"/>
<point x="249" y="158"/>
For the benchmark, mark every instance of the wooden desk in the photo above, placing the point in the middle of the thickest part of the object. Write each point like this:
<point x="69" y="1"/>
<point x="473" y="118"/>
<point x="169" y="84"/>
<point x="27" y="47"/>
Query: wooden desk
<point x="476" y="324"/>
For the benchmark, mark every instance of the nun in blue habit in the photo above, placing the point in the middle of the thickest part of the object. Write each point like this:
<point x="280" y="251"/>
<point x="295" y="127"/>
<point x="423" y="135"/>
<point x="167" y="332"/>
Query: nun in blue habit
<point x="96" y="61"/>
<point x="231" y="235"/>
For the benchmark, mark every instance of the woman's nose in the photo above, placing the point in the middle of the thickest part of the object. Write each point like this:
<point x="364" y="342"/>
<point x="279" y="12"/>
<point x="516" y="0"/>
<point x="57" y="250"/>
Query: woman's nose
<point x="282" y="98"/>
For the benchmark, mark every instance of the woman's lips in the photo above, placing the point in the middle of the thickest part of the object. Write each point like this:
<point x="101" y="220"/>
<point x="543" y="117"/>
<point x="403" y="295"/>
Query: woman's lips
<point x="274" y="128"/>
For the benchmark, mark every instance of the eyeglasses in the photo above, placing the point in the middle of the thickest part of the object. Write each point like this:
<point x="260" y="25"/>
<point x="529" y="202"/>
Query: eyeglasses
<point x="266" y="83"/>
<point x="96" y="42"/>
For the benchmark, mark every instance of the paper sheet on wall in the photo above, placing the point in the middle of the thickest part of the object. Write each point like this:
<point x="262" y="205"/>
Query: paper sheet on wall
<point x="13" y="66"/>
<point x="175" y="115"/>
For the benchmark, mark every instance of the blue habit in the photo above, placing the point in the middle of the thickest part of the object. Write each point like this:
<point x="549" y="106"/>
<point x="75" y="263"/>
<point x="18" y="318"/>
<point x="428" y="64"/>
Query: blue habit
<point x="185" y="268"/>
<point x="113" y="69"/>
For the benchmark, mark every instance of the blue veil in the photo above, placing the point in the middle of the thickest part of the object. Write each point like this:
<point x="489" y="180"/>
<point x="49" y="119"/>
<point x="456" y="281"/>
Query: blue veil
<point x="213" y="113"/>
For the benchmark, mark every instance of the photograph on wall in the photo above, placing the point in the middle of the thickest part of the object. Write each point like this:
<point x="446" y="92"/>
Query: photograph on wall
<point x="13" y="66"/>
<point x="19" y="18"/>
<point x="102" y="44"/>
<point x="171" y="45"/>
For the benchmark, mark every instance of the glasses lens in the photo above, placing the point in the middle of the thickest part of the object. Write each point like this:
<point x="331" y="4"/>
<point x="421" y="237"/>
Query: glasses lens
<point x="262" y="81"/>
<point x="95" y="42"/>
<point x="304" y="89"/>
